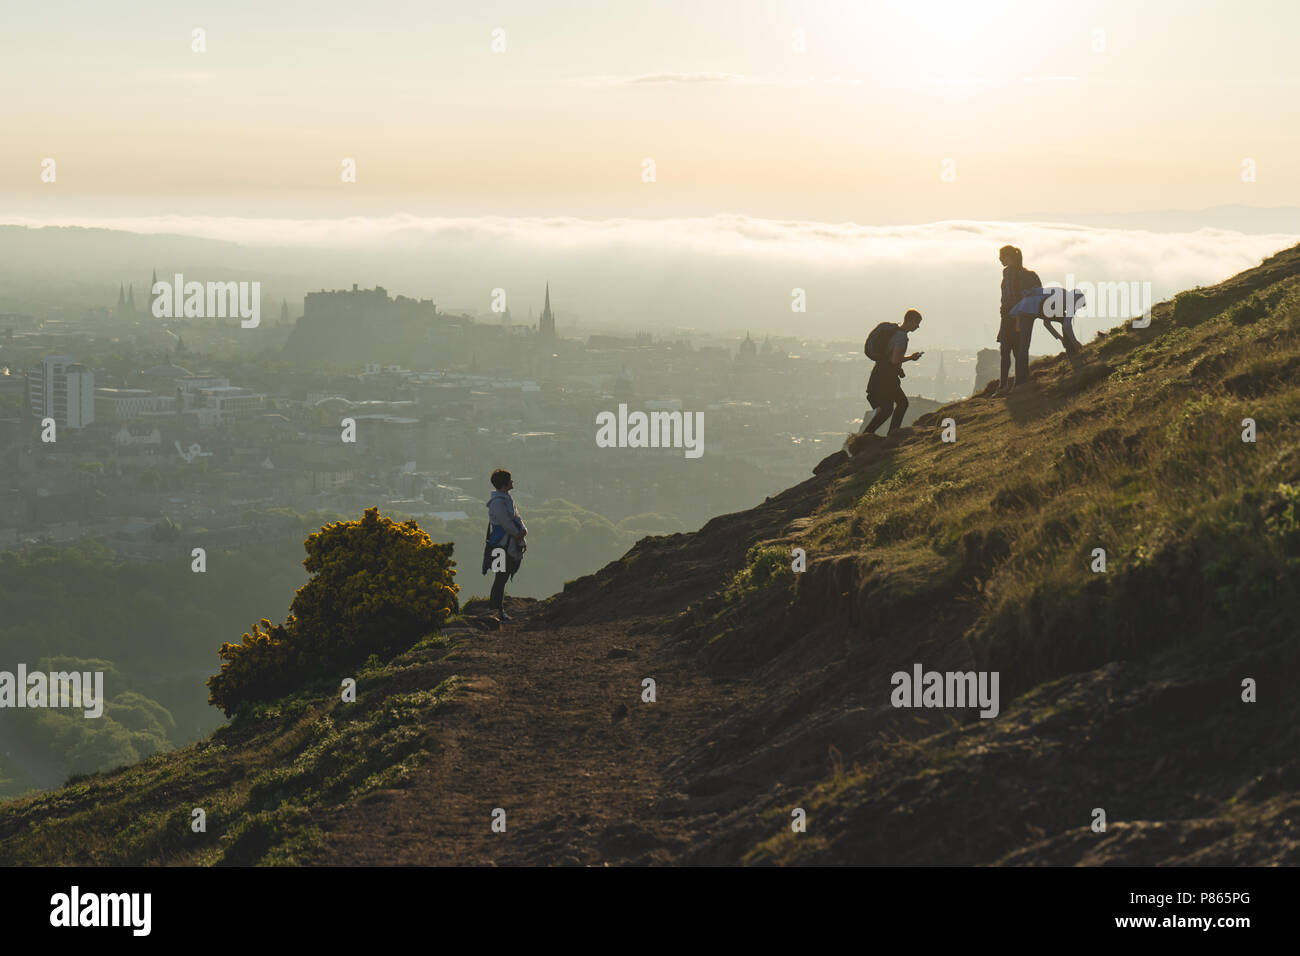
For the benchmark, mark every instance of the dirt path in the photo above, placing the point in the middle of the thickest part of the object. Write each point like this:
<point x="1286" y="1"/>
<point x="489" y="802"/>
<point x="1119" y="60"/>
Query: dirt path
<point x="550" y="727"/>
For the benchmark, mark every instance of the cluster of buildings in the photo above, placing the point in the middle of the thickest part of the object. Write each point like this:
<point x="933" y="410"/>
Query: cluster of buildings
<point x="434" y="403"/>
<point x="63" y="390"/>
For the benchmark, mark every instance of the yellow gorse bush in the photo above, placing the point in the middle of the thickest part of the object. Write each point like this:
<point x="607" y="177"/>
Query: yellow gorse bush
<point x="376" y="587"/>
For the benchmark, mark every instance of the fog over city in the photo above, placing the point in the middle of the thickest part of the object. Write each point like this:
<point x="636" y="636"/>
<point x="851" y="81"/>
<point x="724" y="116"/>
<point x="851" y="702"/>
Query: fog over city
<point x="714" y="274"/>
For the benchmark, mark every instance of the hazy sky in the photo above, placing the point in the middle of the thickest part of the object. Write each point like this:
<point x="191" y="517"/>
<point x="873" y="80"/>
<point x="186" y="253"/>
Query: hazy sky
<point x="857" y="128"/>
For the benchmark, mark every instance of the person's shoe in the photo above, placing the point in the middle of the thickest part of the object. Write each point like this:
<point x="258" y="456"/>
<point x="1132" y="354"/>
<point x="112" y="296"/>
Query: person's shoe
<point x="502" y="615"/>
<point x="1001" y="392"/>
<point x="847" y="442"/>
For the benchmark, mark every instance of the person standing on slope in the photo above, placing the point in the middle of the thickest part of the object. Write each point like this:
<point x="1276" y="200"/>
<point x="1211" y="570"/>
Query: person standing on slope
<point x="887" y="347"/>
<point x="503" y="550"/>
<point x="1014" y="332"/>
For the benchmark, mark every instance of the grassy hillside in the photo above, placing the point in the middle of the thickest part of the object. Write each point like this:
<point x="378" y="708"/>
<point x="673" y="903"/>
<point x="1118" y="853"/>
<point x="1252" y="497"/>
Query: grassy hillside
<point x="153" y="628"/>
<point x="1120" y="690"/>
<point x="259" y="780"/>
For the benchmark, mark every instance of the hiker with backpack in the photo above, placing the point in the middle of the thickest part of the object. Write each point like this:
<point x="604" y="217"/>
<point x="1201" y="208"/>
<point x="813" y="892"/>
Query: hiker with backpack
<point x="1015" y="330"/>
<point x="503" y="550"/>
<point x="886" y="346"/>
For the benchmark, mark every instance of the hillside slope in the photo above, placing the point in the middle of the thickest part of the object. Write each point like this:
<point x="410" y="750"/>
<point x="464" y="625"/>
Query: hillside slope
<point x="1119" y="690"/>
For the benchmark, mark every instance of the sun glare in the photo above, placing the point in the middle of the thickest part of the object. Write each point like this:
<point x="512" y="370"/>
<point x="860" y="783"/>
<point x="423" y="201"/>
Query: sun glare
<point x="954" y="43"/>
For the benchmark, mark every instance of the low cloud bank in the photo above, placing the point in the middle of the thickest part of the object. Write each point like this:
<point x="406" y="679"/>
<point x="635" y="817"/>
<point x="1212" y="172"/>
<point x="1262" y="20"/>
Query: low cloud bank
<point x="723" y="272"/>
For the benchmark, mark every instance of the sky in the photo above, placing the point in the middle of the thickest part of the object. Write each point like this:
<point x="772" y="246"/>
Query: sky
<point x="1033" y="104"/>
<point x="873" y="154"/>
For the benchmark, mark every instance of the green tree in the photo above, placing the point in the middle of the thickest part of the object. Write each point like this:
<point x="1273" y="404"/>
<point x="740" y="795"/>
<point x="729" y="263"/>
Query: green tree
<point x="376" y="587"/>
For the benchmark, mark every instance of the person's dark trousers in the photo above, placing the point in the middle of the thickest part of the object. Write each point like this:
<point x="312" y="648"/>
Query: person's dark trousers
<point x="1008" y="346"/>
<point x="884" y="406"/>
<point x="1022" y="350"/>
<point x="497" y="601"/>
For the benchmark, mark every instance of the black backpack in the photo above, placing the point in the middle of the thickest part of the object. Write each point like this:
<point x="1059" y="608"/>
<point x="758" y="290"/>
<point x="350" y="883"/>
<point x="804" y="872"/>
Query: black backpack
<point x="1029" y="280"/>
<point x="878" y="341"/>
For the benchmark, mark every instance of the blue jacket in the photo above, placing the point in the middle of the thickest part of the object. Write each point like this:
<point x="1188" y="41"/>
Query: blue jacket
<point x="1051" y="303"/>
<point x="504" y="526"/>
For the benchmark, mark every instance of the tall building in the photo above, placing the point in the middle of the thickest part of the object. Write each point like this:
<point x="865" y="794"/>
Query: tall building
<point x="61" y="389"/>
<point x="941" y="382"/>
<point x="546" y="325"/>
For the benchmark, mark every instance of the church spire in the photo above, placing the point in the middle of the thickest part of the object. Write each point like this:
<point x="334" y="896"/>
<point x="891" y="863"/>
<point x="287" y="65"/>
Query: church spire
<point x="546" y="325"/>
<point x="748" y="348"/>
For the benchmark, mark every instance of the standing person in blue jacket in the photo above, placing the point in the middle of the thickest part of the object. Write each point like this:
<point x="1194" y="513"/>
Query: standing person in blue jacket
<point x="506" y="532"/>
<point x="1014" y="331"/>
